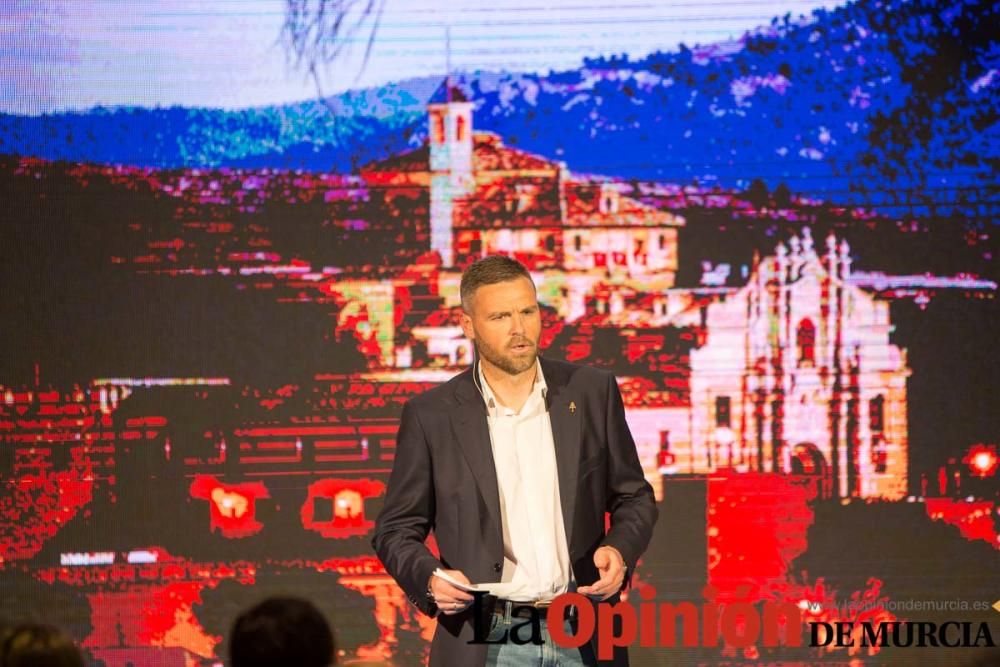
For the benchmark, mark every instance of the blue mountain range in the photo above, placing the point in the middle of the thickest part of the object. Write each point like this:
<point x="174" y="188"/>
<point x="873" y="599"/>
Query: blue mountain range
<point x="887" y="103"/>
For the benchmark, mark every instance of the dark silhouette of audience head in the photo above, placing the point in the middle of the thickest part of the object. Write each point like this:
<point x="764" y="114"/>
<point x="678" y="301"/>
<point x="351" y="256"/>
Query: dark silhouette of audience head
<point x="281" y="631"/>
<point x="34" y="645"/>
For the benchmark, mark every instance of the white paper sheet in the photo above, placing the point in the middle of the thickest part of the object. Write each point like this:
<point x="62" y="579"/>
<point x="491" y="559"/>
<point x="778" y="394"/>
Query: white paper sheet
<point x="497" y="588"/>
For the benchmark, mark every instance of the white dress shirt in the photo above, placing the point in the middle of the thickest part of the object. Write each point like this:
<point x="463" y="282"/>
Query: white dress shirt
<point x="536" y="558"/>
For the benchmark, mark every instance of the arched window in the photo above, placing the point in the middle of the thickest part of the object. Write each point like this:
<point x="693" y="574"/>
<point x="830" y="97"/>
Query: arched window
<point x="608" y="202"/>
<point x="460" y="128"/>
<point x="880" y="454"/>
<point x="805" y="339"/>
<point x="437" y="129"/>
<point x="722" y="411"/>
<point x="876" y="414"/>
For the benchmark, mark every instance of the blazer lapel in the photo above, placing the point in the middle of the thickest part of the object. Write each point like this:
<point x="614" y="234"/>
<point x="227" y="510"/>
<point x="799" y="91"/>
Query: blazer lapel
<point x="473" y="434"/>
<point x="566" y="415"/>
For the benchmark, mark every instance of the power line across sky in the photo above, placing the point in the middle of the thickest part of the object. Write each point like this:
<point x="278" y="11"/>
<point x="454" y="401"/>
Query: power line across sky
<point x="75" y="55"/>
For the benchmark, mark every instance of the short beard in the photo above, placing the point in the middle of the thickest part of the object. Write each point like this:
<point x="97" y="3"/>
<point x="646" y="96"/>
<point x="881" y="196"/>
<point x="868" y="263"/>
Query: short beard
<point x="504" y="363"/>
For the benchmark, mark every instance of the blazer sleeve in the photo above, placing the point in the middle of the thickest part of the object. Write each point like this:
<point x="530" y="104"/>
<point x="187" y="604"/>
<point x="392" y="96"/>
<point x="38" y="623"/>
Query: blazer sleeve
<point x="631" y="502"/>
<point x="407" y="515"/>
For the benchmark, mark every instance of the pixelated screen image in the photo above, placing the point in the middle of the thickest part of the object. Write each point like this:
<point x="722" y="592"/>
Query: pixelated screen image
<point x="232" y="236"/>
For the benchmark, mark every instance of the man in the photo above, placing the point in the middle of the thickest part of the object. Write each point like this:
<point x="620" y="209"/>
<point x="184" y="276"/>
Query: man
<point x="513" y="464"/>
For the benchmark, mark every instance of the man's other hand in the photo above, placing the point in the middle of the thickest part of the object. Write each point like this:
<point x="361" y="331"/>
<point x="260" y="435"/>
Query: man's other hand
<point x="449" y="599"/>
<point x="611" y="567"/>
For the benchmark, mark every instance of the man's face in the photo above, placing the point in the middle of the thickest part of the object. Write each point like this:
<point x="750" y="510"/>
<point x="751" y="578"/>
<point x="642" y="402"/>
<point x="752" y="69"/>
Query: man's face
<point x="505" y="324"/>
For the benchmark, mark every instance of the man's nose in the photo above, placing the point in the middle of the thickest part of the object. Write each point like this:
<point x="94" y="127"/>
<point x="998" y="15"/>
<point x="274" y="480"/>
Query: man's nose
<point x="517" y="324"/>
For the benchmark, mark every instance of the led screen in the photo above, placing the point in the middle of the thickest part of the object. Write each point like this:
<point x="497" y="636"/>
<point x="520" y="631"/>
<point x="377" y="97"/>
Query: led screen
<point x="231" y="250"/>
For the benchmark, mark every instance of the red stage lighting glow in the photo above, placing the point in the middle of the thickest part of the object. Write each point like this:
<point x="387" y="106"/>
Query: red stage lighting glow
<point x="982" y="460"/>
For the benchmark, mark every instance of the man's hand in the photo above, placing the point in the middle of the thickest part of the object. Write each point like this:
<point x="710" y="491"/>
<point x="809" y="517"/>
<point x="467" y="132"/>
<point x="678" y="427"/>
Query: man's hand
<point x="611" y="567"/>
<point x="450" y="600"/>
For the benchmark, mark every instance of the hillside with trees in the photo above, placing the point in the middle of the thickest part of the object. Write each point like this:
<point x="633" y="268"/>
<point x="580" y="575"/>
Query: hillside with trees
<point x="882" y="102"/>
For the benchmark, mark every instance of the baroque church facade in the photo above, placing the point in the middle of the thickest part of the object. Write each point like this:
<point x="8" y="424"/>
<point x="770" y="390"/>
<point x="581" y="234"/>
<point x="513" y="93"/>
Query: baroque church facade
<point x="798" y="375"/>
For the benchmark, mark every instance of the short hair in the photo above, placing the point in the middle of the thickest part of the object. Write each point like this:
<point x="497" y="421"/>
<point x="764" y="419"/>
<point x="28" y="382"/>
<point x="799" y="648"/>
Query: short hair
<point x="37" y="645"/>
<point x="282" y="631"/>
<point x="489" y="271"/>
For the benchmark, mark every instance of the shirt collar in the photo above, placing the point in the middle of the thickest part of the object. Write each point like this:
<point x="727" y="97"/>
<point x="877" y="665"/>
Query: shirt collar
<point x="494" y="405"/>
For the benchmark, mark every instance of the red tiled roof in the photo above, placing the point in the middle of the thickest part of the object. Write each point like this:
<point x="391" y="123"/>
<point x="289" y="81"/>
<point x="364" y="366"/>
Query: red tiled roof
<point x="583" y="209"/>
<point x="510" y="202"/>
<point x="534" y="202"/>
<point x="448" y="92"/>
<point x="524" y="191"/>
<point x="489" y="154"/>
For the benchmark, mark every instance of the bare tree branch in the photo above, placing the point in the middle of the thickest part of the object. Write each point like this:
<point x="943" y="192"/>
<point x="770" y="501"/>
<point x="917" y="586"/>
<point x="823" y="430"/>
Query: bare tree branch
<point x="318" y="33"/>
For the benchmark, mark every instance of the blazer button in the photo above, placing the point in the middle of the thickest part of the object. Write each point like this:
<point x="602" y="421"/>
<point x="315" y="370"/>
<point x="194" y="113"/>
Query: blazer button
<point x="497" y="567"/>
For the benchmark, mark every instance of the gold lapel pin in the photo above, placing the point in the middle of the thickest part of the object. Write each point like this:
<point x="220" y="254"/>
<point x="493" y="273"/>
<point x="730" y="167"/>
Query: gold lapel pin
<point x="572" y="406"/>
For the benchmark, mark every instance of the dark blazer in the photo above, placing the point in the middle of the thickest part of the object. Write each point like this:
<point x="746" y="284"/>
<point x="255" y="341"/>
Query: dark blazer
<point x="444" y="479"/>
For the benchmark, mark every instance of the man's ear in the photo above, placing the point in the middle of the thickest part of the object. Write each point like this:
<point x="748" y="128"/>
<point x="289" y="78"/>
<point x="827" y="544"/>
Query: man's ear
<point x="466" y="322"/>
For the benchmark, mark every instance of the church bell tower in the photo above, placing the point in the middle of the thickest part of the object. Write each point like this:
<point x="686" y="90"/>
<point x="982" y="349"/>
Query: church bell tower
<point x="450" y="118"/>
